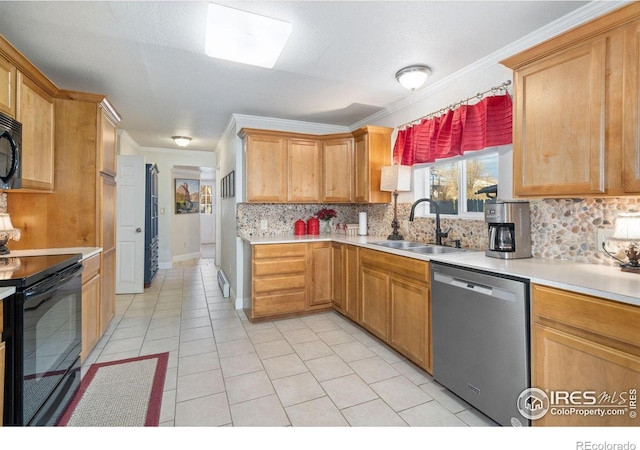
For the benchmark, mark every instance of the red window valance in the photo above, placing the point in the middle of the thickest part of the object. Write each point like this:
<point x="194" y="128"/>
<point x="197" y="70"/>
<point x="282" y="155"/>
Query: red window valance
<point x="467" y="128"/>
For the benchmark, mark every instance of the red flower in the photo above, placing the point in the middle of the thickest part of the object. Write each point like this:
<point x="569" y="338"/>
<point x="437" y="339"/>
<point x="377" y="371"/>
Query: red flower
<point x="326" y="214"/>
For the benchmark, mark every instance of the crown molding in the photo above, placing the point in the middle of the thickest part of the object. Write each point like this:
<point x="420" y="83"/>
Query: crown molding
<point x="588" y="12"/>
<point x="293" y="126"/>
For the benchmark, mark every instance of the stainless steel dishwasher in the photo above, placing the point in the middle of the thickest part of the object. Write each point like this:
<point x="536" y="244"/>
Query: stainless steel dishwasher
<point x="481" y="339"/>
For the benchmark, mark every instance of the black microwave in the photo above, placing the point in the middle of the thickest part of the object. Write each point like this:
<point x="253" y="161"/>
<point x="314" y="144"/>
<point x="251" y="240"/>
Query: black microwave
<point x="10" y="153"/>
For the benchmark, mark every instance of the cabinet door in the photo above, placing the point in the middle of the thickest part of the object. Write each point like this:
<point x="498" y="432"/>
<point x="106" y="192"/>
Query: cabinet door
<point x="631" y="113"/>
<point x="7" y="87"/>
<point x="564" y="362"/>
<point x="351" y="271"/>
<point x="320" y="272"/>
<point x="337" y="162"/>
<point x="304" y="170"/>
<point x="410" y="320"/>
<point x="559" y="123"/>
<point x="361" y="168"/>
<point x="374" y="301"/>
<point x="35" y="110"/>
<point x="337" y="274"/>
<point x="107" y="151"/>
<point x="107" y="222"/>
<point x="266" y="173"/>
<point x="90" y="315"/>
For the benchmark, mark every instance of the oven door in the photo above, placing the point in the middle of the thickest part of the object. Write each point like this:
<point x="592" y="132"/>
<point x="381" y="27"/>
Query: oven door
<point x="52" y="341"/>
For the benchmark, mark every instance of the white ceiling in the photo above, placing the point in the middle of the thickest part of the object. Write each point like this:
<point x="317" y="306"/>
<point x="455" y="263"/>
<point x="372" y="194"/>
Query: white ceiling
<point x="337" y="68"/>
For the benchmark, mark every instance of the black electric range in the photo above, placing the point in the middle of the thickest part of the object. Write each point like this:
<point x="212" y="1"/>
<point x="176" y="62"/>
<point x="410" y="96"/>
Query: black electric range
<point x="23" y="271"/>
<point x="43" y="336"/>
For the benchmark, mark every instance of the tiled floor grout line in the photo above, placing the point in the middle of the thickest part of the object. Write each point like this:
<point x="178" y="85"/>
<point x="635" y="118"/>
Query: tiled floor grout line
<point x="196" y="286"/>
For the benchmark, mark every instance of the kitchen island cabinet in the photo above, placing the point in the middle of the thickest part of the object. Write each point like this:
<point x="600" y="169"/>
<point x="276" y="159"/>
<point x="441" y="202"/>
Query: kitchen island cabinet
<point x="576" y="111"/>
<point x="584" y="344"/>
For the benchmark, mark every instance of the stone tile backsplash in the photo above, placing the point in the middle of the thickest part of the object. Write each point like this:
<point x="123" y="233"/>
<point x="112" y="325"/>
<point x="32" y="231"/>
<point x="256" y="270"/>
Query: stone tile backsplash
<point x="561" y="228"/>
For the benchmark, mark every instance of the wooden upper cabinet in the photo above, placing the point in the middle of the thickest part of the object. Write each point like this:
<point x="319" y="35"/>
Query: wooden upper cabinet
<point x="107" y="149"/>
<point x="559" y="133"/>
<point x="631" y="111"/>
<point x="266" y="172"/>
<point x="337" y="168"/>
<point x="286" y="167"/>
<point x="304" y="170"/>
<point x="7" y="87"/>
<point x="372" y="151"/>
<point x="35" y="110"/>
<point x="576" y="111"/>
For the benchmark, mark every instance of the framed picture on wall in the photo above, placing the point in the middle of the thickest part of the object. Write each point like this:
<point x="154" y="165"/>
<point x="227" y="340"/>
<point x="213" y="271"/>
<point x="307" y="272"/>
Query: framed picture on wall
<point x="187" y="195"/>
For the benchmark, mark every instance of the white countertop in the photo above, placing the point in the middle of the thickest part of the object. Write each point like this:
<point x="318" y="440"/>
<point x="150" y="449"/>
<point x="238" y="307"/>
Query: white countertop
<point x="6" y="291"/>
<point x="591" y="279"/>
<point x="87" y="252"/>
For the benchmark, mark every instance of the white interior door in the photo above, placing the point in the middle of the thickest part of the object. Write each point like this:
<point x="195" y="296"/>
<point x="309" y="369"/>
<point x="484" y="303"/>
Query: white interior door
<point x="130" y="224"/>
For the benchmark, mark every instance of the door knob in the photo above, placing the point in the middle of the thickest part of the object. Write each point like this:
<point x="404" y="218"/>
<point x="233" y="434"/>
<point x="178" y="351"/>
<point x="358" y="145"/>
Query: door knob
<point x="138" y="230"/>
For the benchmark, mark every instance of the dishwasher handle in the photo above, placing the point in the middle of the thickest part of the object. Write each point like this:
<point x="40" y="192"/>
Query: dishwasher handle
<point x="475" y="287"/>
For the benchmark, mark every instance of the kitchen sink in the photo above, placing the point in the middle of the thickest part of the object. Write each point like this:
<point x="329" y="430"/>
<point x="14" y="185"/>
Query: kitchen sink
<point x="404" y="245"/>
<point x="435" y="250"/>
<point x="419" y="247"/>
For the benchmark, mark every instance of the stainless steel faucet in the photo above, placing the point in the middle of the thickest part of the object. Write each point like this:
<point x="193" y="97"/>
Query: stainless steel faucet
<point x="439" y="233"/>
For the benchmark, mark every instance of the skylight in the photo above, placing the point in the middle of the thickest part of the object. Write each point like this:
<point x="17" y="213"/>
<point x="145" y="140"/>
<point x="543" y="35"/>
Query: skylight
<point x="244" y="37"/>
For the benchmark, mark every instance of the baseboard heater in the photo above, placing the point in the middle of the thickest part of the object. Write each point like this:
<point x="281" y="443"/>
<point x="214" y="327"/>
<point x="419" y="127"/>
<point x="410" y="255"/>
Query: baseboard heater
<point x="223" y="283"/>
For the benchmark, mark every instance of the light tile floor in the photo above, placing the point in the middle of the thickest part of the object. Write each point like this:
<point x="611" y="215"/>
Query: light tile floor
<point x="317" y="370"/>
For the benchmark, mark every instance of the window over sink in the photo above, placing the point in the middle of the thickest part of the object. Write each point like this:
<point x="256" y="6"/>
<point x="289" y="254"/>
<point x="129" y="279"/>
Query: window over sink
<point x="454" y="183"/>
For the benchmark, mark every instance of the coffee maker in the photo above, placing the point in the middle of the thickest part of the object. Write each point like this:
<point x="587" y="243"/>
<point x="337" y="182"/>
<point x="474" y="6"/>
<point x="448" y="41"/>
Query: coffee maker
<point x="509" y="227"/>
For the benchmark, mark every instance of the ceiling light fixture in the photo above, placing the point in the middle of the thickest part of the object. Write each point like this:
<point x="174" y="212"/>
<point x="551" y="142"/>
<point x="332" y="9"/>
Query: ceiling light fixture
<point x="413" y="77"/>
<point x="244" y="37"/>
<point x="181" y="141"/>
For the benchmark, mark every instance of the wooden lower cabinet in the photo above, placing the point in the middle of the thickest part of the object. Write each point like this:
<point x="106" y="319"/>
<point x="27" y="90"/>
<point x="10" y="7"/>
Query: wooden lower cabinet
<point x="374" y="295"/>
<point x="289" y="279"/>
<point x="320" y="266"/>
<point x="409" y="318"/>
<point x="395" y="301"/>
<point x="589" y="347"/>
<point x="91" y="307"/>
<point x="345" y="270"/>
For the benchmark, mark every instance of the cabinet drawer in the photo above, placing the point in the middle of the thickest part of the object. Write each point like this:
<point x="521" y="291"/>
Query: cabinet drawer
<point x="279" y="267"/>
<point x="604" y="317"/>
<point x="279" y="251"/>
<point x="408" y="267"/>
<point x="270" y="305"/>
<point x="270" y="285"/>
<point x="91" y="268"/>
